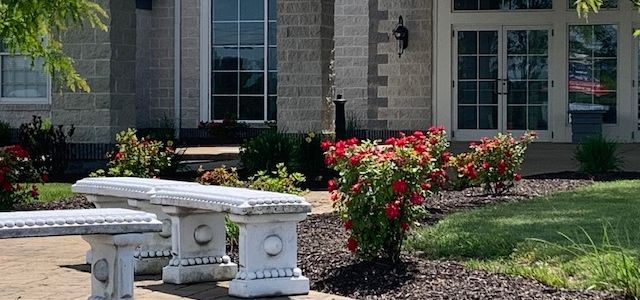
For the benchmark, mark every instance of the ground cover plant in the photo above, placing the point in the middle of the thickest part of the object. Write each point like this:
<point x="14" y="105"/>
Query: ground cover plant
<point x="582" y="239"/>
<point x="598" y="154"/>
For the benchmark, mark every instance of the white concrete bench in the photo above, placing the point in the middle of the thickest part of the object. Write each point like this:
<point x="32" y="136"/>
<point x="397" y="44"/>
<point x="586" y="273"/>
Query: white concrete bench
<point x="268" y="238"/>
<point x="134" y="193"/>
<point x="112" y="233"/>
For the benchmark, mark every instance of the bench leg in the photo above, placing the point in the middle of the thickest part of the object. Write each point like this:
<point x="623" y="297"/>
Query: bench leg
<point x="198" y="241"/>
<point x="104" y="202"/>
<point x="268" y="257"/>
<point x="112" y="267"/>
<point x="155" y="252"/>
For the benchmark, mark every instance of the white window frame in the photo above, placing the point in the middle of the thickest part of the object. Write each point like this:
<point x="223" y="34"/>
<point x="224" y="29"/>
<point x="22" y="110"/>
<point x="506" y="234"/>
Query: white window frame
<point x="205" y="64"/>
<point x="558" y="19"/>
<point x="25" y="101"/>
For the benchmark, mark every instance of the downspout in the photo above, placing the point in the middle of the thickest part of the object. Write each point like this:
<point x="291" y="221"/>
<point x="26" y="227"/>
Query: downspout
<point x="177" y="66"/>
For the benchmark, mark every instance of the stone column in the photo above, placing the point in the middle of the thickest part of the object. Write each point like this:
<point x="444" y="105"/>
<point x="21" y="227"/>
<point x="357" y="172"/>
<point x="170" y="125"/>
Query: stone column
<point x="268" y="256"/>
<point x="112" y="265"/>
<point x="198" y="247"/>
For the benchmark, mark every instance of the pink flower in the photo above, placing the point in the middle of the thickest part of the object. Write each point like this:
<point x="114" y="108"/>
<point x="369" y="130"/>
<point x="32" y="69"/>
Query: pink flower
<point x="400" y="186"/>
<point x="356" y="188"/>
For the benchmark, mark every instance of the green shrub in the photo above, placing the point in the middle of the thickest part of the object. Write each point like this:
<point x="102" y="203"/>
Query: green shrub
<point x="220" y="176"/>
<point x="47" y="145"/>
<point x="267" y="150"/>
<point x="137" y="158"/>
<point x="309" y="158"/>
<point x="598" y="154"/>
<point x="279" y="181"/>
<point x="5" y="133"/>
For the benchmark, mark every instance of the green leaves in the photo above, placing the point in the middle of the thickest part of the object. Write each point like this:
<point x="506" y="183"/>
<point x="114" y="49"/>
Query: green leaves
<point x="35" y="28"/>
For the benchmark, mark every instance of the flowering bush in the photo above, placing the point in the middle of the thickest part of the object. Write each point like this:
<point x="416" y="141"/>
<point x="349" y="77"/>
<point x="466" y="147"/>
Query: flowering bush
<point x="220" y="176"/>
<point x="15" y="167"/>
<point x="382" y="188"/>
<point x="495" y="163"/>
<point x="137" y="158"/>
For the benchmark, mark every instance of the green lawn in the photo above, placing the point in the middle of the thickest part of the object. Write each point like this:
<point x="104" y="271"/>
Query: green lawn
<point x="54" y="191"/>
<point x="599" y="249"/>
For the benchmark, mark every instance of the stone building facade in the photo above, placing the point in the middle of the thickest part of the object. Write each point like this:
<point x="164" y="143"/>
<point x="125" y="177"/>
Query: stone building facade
<point x="144" y="75"/>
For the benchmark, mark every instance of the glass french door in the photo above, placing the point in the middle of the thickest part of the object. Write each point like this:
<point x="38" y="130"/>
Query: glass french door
<point x="501" y="81"/>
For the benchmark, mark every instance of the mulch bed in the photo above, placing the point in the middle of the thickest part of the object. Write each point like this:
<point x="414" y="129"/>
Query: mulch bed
<point x="75" y="202"/>
<point x="332" y="269"/>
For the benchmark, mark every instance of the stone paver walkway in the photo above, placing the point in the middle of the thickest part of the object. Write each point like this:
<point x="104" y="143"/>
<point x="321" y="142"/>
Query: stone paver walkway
<point x="53" y="268"/>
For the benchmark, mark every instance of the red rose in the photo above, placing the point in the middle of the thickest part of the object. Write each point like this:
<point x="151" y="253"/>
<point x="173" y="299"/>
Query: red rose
<point x="418" y="134"/>
<point x="390" y="141"/>
<point x="446" y="157"/>
<point x="486" y="165"/>
<point x="332" y="186"/>
<point x="348" y="224"/>
<point x="433" y="141"/>
<point x="405" y="226"/>
<point x="329" y="160"/>
<point x="417" y="199"/>
<point x="325" y="145"/>
<point x="399" y="186"/>
<point x="392" y="211"/>
<point x="355" y="160"/>
<point x="502" y="167"/>
<point x="470" y="171"/>
<point x="340" y="152"/>
<point x="420" y="148"/>
<point x="352" y="244"/>
<point x="517" y="177"/>
<point x="335" y="196"/>
<point x="426" y="186"/>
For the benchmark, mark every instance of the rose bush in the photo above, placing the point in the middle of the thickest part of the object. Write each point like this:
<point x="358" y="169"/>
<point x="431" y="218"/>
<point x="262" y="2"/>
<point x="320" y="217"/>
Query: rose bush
<point x="137" y="157"/>
<point x="495" y="163"/>
<point x="381" y="188"/>
<point x="15" y="167"/>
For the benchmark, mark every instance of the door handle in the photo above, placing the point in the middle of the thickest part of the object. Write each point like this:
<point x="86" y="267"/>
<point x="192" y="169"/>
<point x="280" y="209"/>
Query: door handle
<point x="502" y="86"/>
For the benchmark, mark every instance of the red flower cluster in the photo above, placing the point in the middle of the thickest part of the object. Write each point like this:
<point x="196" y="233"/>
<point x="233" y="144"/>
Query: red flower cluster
<point x="15" y="167"/>
<point x="18" y="151"/>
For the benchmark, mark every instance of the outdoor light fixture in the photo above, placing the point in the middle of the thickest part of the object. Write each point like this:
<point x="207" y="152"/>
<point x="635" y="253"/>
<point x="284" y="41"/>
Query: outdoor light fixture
<point x="401" y="34"/>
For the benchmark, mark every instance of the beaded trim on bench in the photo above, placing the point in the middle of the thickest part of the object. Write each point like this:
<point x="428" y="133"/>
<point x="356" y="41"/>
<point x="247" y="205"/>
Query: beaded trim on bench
<point x="269" y="273"/>
<point x="58" y="221"/>
<point x="194" y="261"/>
<point x="143" y="254"/>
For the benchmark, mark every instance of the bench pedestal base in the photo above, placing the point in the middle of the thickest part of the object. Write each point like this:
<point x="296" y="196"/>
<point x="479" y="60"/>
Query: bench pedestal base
<point x="112" y="265"/>
<point x="199" y="273"/>
<point x="269" y="287"/>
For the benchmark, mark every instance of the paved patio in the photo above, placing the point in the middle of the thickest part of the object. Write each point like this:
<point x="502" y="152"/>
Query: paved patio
<point x="53" y="268"/>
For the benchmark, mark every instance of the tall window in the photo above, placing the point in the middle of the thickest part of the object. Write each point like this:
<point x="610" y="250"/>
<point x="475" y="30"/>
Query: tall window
<point x="593" y="67"/>
<point x="501" y="4"/>
<point x="244" y="59"/>
<point x="21" y="81"/>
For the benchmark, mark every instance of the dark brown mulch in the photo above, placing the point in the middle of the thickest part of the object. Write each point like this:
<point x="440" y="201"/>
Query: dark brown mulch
<point x="332" y="269"/>
<point x="74" y="202"/>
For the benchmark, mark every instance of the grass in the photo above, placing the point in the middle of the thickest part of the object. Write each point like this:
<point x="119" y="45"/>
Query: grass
<point x="583" y="239"/>
<point x="54" y="191"/>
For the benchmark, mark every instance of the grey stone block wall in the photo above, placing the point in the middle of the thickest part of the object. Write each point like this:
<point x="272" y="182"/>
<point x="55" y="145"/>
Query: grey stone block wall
<point x="190" y="54"/>
<point x="305" y="40"/>
<point x="107" y="61"/>
<point x="17" y="114"/>
<point x="143" y="60"/>
<point x="383" y="90"/>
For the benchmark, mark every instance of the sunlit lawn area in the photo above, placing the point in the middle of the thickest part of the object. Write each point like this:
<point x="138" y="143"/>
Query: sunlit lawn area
<point x="526" y="238"/>
<point x="54" y="191"/>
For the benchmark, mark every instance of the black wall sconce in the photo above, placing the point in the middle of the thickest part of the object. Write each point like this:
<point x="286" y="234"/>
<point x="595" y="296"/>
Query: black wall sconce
<point x="401" y="34"/>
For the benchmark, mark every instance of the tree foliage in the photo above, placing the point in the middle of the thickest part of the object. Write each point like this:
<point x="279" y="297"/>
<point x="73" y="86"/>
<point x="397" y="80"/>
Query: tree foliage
<point x="35" y="27"/>
<point x="584" y="7"/>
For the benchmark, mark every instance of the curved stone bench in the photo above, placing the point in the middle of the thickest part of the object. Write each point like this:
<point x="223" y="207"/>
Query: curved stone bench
<point x="268" y="237"/>
<point x="112" y="233"/>
<point x="134" y="193"/>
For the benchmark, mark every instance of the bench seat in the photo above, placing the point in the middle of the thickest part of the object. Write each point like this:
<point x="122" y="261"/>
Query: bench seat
<point x="112" y="233"/>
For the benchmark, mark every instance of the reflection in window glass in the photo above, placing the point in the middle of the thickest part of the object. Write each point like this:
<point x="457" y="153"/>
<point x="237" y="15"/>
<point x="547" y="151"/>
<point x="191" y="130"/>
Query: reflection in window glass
<point x="501" y="4"/>
<point x="21" y="79"/>
<point x="593" y="67"/>
<point x="244" y="70"/>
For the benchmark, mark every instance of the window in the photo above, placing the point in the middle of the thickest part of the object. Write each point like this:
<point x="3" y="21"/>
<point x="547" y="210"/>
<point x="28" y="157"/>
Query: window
<point x="593" y="66"/>
<point x="21" y="81"/>
<point x="501" y="4"/>
<point x="244" y="59"/>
